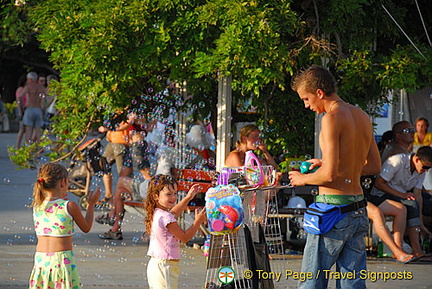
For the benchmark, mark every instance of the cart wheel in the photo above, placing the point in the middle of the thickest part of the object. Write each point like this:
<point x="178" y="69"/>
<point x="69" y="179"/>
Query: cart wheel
<point x="83" y="202"/>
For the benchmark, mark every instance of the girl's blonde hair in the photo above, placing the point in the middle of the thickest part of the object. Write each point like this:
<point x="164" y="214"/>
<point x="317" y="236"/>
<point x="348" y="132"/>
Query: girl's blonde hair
<point x="245" y="132"/>
<point x="48" y="177"/>
<point x="157" y="184"/>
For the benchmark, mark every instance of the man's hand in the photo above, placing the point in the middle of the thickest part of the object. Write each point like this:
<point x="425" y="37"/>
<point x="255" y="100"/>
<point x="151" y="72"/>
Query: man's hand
<point x="409" y="196"/>
<point x="315" y="163"/>
<point x="296" y="178"/>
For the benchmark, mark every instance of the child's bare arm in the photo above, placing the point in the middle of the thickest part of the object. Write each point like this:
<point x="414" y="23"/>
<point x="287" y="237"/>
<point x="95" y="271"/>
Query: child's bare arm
<point x="84" y="223"/>
<point x="181" y="206"/>
<point x="185" y="236"/>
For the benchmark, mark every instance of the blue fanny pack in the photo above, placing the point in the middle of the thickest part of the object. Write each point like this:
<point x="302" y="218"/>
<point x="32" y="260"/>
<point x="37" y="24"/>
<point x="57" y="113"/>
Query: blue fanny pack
<point x="320" y="218"/>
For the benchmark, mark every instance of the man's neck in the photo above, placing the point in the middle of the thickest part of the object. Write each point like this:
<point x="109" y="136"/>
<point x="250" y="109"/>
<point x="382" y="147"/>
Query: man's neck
<point x="403" y="146"/>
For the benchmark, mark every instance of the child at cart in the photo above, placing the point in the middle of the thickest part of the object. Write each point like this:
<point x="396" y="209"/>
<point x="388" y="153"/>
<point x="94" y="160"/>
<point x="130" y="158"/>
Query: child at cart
<point x="54" y="217"/>
<point x="165" y="233"/>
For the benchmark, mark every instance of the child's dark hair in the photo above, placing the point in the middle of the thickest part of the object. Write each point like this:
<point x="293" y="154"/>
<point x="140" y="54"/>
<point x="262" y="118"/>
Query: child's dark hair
<point x="157" y="183"/>
<point x="48" y="176"/>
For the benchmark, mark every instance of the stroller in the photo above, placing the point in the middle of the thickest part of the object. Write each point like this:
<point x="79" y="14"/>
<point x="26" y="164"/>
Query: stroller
<point x="86" y="163"/>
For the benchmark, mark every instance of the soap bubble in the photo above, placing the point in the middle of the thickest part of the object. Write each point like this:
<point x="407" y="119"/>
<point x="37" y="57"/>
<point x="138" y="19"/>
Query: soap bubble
<point x="348" y="181"/>
<point x="206" y="121"/>
<point x="314" y="192"/>
<point x="6" y="180"/>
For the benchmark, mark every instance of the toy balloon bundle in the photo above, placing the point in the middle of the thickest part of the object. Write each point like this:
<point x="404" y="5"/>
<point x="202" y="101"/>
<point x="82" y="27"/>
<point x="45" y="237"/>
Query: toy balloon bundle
<point x="224" y="209"/>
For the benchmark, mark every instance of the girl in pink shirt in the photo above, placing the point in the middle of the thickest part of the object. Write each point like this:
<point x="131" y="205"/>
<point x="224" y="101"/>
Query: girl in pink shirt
<point x="165" y="233"/>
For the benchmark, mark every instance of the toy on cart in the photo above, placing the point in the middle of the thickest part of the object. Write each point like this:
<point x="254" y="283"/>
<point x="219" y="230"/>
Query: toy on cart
<point x="224" y="208"/>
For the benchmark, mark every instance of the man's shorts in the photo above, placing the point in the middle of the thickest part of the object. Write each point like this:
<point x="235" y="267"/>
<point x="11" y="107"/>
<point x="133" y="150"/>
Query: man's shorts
<point x="33" y="117"/>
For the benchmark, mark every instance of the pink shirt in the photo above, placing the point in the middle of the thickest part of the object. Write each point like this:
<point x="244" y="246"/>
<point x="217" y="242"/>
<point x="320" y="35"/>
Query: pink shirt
<point x="163" y="244"/>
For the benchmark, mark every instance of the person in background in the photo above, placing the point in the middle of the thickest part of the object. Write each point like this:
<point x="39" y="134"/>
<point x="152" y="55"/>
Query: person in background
<point x="33" y="115"/>
<point x="137" y="160"/>
<point x="424" y="138"/>
<point x="115" y="151"/>
<point x="4" y="118"/>
<point x="403" y="136"/>
<point x="394" y="242"/>
<point x="42" y="79"/>
<point x="20" y="109"/>
<point x="386" y="139"/>
<point x="249" y="140"/>
<point x="421" y="137"/>
<point x="401" y="179"/>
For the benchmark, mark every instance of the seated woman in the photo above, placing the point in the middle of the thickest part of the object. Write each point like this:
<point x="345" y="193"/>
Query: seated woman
<point x="249" y="140"/>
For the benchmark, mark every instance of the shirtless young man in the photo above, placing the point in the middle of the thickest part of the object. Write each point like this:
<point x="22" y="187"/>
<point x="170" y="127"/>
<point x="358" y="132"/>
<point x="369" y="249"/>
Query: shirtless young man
<point x="33" y="115"/>
<point x="349" y="150"/>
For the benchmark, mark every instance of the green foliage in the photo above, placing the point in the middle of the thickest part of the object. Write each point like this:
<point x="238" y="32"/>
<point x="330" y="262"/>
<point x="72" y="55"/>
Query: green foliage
<point x="16" y="28"/>
<point x="111" y="53"/>
<point x="11" y="110"/>
<point x="253" y="42"/>
<point x="406" y="69"/>
<point x="25" y="156"/>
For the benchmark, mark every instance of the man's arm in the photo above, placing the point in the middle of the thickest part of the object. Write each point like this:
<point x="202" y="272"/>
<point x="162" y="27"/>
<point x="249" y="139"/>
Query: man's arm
<point x="373" y="160"/>
<point x="383" y="185"/>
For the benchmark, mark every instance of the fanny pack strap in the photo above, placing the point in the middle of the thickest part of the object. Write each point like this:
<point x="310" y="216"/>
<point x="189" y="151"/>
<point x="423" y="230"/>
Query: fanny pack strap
<point x="353" y="206"/>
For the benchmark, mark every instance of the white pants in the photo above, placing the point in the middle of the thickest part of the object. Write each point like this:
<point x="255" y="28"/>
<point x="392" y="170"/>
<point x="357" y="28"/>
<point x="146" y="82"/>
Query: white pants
<point x="162" y="274"/>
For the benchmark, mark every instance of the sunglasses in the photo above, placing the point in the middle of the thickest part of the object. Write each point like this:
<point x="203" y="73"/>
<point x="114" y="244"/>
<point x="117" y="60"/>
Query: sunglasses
<point x="407" y="131"/>
<point x="426" y="167"/>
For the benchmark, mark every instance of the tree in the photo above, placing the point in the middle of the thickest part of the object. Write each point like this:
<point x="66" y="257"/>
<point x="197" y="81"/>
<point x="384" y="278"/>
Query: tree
<point x="110" y="53"/>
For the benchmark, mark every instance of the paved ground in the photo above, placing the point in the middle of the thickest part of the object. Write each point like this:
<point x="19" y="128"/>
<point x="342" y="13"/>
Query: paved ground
<point x="122" y="264"/>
